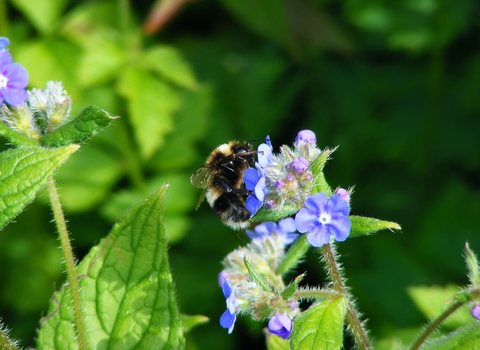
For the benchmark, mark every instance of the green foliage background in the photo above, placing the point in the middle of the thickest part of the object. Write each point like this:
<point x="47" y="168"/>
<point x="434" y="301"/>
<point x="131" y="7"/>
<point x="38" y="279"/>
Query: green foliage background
<point x="395" y="84"/>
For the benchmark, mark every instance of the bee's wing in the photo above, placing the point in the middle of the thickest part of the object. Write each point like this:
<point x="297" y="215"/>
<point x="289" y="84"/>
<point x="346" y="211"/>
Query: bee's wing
<point x="200" y="200"/>
<point x="201" y="179"/>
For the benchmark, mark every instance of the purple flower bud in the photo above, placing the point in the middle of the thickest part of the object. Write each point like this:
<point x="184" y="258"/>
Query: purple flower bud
<point x="4" y="42"/>
<point x="279" y="184"/>
<point x="300" y="165"/>
<point x="476" y="311"/>
<point x="280" y="325"/>
<point x="306" y="136"/>
<point x="344" y="194"/>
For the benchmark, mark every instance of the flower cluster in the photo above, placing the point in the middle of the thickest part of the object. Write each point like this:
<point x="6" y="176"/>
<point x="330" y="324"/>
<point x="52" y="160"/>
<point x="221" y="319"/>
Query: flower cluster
<point x="289" y="176"/>
<point x="291" y="179"/>
<point x="46" y="110"/>
<point x="251" y="285"/>
<point x="13" y="78"/>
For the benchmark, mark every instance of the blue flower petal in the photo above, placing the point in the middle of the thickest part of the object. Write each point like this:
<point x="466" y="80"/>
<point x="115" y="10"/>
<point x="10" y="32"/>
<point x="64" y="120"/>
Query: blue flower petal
<point x="317" y="202"/>
<point x="337" y="204"/>
<point x="342" y="226"/>
<point x="305" y="219"/>
<point x="5" y="60"/>
<point x="319" y="235"/>
<point x="287" y="225"/>
<point x="253" y="204"/>
<point x="226" y="289"/>
<point x="227" y="320"/>
<point x="251" y="177"/>
<point x="280" y="325"/>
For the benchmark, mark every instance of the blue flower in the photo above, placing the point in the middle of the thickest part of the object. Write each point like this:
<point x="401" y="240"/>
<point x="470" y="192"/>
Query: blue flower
<point x="228" y="318"/>
<point x="280" y="325"/>
<point x="13" y="80"/>
<point x="323" y="218"/>
<point x="284" y="228"/>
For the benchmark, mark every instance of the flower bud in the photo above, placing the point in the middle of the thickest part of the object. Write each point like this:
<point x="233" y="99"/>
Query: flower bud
<point x="306" y="136"/>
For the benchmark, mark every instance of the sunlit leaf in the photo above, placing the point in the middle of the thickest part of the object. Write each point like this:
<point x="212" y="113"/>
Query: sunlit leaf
<point x="23" y="172"/>
<point x="320" y="327"/>
<point x="43" y="14"/>
<point x="151" y="104"/>
<point x="168" y="62"/>
<point x="89" y="122"/>
<point x="126" y="287"/>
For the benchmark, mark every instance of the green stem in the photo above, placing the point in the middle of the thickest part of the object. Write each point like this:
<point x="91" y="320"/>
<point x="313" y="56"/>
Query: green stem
<point x="435" y="324"/>
<point x="353" y="319"/>
<point x="294" y="254"/>
<point x="69" y="262"/>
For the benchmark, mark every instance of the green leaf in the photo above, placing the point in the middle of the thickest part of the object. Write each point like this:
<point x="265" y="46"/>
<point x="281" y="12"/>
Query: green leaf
<point x="274" y="342"/>
<point x="23" y="172"/>
<point x="363" y="226"/>
<point x="151" y="104"/>
<point x="126" y="288"/>
<point x="43" y="14"/>
<point x="88" y="123"/>
<point x="256" y="277"/>
<point x="320" y="327"/>
<point x="190" y="321"/>
<point x="102" y="59"/>
<point x="168" y="62"/>
<point x="464" y="338"/>
<point x="432" y="301"/>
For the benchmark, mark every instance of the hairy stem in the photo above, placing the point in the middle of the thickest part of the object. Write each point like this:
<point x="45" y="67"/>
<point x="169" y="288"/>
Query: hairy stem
<point x="5" y="342"/>
<point x="435" y="324"/>
<point x="69" y="262"/>
<point x="353" y="317"/>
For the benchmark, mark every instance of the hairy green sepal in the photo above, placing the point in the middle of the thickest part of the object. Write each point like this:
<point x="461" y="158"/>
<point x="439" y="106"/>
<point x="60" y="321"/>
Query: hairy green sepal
<point x="88" y="123"/>
<point x="126" y="289"/>
<point x="23" y="172"/>
<point x="362" y="226"/>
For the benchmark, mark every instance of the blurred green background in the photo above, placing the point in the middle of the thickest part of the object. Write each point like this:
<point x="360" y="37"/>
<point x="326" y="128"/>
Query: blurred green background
<point x="395" y="83"/>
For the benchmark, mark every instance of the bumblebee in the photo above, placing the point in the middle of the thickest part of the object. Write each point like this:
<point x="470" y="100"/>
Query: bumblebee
<point x="222" y="181"/>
